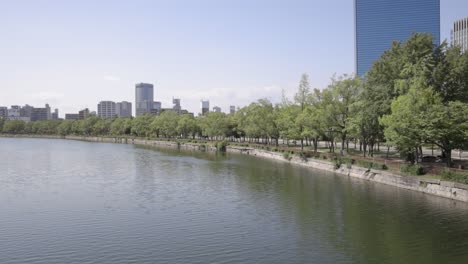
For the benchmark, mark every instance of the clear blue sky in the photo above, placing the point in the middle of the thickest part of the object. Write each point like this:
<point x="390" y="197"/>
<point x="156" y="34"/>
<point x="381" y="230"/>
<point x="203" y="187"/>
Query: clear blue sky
<point x="73" y="54"/>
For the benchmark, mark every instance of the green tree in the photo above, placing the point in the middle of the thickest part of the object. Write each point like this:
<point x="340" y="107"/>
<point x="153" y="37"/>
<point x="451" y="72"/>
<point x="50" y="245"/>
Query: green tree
<point x="215" y="125"/>
<point x="286" y="120"/>
<point x="102" y="127"/>
<point x="261" y="121"/>
<point x="14" y="127"/>
<point x="422" y="115"/>
<point x="141" y="125"/>
<point x="2" y="122"/>
<point x="302" y="98"/>
<point x="65" y="128"/>
<point x="187" y="126"/>
<point x="165" y="124"/>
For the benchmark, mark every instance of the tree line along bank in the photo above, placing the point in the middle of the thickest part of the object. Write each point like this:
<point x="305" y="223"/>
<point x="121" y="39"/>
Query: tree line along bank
<point x="416" y="94"/>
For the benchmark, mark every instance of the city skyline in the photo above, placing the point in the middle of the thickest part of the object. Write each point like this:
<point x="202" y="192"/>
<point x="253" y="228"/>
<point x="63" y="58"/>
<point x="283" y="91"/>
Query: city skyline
<point x="221" y="52"/>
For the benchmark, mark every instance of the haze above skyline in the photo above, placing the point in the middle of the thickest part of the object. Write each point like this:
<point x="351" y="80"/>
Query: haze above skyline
<point x="73" y="54"/>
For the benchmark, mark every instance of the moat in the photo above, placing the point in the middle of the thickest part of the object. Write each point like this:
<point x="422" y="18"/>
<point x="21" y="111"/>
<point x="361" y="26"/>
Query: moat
<point x="65" y="201"/>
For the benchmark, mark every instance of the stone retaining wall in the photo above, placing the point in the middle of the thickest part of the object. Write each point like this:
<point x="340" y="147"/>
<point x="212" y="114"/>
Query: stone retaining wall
<point x="451" y="190"/>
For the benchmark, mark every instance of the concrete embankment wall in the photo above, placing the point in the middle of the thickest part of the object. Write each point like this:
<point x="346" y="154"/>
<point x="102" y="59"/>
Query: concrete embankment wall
<point x="451" y="190"/>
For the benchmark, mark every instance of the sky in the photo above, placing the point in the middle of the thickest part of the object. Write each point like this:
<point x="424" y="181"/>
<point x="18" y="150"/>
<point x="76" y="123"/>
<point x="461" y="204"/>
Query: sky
<point x="73" y="54"/>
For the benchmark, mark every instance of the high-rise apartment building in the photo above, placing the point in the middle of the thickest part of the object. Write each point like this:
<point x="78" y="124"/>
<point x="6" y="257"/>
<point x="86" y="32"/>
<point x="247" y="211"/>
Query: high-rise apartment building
<point x="41" y="114"/>
<point x="378" y="23"/>
<point x="106" y="109"/>
<point x="144" y="98"/>
<point x="124" y="109"/>
<point x="72" y="117"/>
<point x="460" y="34"/>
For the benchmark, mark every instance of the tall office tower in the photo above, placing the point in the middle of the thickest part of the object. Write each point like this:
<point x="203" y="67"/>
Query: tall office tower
<point x="106" y="109"/>
<point x="124" y="109"/>
<point x="144" y="98"/>
<point x="460" y="34"/>
<point x="232" y="109"/>
<point x="216" y="109"/>
<point x="205" y="107"/>
<point x="176" y="105"/>
<point x="378" y="23"/>
<point x="40" y="114"/>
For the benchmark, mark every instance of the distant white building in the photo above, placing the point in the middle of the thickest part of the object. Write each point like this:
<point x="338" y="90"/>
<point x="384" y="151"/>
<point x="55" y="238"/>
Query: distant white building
<point x="123" y="109"/>
<point x="106" y="109"/>
<point x="460" y="34"/>
<point x="14" y="113"/>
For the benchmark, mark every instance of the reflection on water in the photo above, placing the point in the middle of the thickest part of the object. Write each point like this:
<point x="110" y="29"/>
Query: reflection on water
<point x="79" y="202"/>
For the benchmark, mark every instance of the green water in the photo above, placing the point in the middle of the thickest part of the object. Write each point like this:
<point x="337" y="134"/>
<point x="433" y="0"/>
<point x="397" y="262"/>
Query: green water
<point x="79" y="202"/>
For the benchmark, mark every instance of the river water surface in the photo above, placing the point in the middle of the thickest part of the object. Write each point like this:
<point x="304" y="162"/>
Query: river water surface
<point x="79" y="202"/>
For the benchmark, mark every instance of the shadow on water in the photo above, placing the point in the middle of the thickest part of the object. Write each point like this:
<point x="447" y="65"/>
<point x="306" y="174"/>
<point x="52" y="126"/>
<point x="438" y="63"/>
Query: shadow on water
<point x="179" y="152"/>
<point x="368" y="222"/>
<point x="352" y="219"/>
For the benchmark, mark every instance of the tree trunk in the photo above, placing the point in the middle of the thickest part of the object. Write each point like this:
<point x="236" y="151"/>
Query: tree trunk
<point x="315" y="145"/>
<point x="416" y="156"/>
<point x="448" y="153"/>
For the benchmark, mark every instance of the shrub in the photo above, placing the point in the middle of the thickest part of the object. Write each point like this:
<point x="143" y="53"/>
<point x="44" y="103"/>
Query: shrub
<point x="461" y="177"/>
<point x="337" y="163"/>
<point x="303" y="155"/>
<point x="370" y="165"/>
<point x="412" y="169"/>
<point x="221" y="146"/>
<point x="287" y="156"/>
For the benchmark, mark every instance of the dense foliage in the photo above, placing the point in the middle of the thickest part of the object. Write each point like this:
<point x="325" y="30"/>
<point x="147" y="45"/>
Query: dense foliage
<point x="416" y="94"/>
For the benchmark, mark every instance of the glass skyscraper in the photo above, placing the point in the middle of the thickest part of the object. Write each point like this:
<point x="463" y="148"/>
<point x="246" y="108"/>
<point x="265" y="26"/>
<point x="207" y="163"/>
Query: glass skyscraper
<point x="144" y="98"/>
<point x="380" y="22"/>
